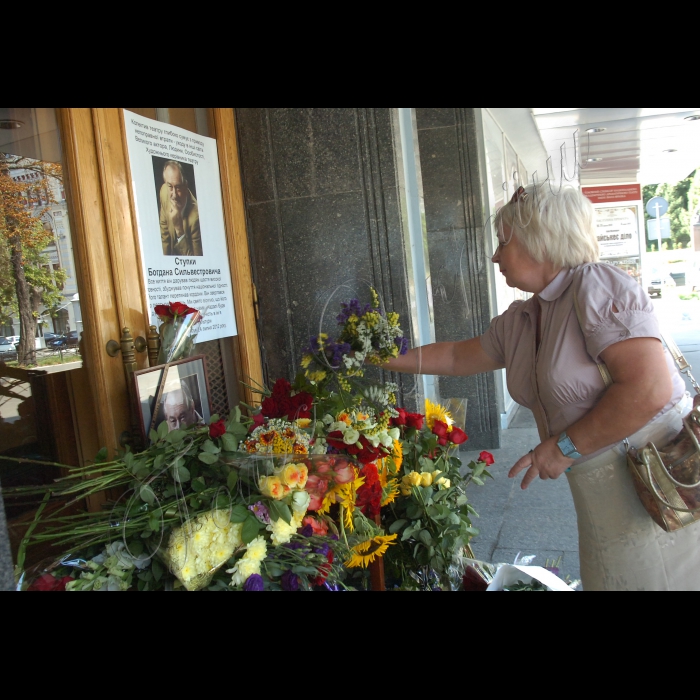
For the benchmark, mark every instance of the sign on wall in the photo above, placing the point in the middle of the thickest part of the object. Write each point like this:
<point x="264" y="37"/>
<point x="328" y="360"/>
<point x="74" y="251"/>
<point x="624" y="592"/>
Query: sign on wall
<point x="179" y="212"/>
<point x="618" y="231"/>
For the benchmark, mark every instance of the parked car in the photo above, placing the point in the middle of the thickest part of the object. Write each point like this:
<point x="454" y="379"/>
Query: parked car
<point x="14" y="339"/>
<point x="61" y="342"/>
<point x="7" y="349"/>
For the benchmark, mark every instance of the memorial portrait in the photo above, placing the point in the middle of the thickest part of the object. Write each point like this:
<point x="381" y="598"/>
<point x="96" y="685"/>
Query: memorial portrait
<point x="178" y="212"/>
<point x="177" y="398"/>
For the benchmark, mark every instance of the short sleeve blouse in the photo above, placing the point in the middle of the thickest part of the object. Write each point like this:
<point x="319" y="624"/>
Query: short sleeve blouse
<point x="561" y="382"/>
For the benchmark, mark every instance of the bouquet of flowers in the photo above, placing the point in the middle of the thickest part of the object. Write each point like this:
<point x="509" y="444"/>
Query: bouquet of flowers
<point x="178" y="330"/>
<point x="313" y="490"/>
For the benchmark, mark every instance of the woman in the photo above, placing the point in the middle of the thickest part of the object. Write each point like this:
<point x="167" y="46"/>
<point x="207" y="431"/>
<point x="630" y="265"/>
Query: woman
<point x="547" y="246"/>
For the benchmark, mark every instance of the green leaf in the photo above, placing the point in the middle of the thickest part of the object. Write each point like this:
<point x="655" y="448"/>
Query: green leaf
<point x="182" y="474"/>
<point x="239" y="514"/>
<point x="135" y="547"/>
<point x="198" y="484"/>
<point x="163" y="429"/>
<point x="210" y="447"/>
<point x="129" y="461"/>
<point x="232" y="480"/>
<point x="414" y="511"/>
<point x="396" y="526"/>
<point x="238" y="430"/>
<point x="251" y="527"/>
<point x="425" y="538"/>
<point x="175" y="437"/>
<point x="478" y="481"/>
<point x="154" y="520"/>
<point x="158" y="462"/>
<point x="101" y="456"/>
<point x="195" y="502"/>
<point x="153" y="436"/>
<point x="285" y="512"/>
<point x="229" y="442"/>
<point x="214" y="418"/>
<point x="157" y="569"/>
<point x="208" y="458"/>
<point x="146" y="494"/>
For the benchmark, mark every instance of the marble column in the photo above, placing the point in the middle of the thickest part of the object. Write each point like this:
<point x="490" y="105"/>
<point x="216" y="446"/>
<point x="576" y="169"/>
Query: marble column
<point x="7" y="577"/>
<point x="324" y="222"/>
<point x="447" y="139"/>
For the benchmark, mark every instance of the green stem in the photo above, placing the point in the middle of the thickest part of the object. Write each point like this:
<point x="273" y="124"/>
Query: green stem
<point x="22" y="551"/>
<point x="342" y="525"/>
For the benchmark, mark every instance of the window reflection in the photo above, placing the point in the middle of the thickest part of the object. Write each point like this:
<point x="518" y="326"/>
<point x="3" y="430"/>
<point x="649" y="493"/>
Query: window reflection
<point x="39" y="298"/>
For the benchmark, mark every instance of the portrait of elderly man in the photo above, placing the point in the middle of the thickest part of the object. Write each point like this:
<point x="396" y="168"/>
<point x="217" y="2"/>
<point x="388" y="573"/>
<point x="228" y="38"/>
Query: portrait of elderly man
<point x="179" y="409"/>
<point x="179" y="214"/>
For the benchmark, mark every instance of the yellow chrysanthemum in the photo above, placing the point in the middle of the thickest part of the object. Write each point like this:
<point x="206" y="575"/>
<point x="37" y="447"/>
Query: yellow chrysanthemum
<point x="435" y="412"/>
<point x="317" y="376"/>
<point x="365" y="553"/>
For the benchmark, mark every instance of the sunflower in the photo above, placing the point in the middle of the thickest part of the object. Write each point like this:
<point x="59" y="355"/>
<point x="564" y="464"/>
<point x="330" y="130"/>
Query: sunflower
<point x="366" y="552"/>
<point x="390" y="492"/>
<point x="434" y="412"/>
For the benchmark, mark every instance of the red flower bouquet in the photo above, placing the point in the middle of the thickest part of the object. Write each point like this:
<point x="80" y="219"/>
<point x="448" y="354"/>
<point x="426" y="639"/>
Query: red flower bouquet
<point x="178" y="330"/>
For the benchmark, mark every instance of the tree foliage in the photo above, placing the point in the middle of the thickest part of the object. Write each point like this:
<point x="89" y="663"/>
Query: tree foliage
<point x="679" y="196"/>
<point x="27" y="279"/>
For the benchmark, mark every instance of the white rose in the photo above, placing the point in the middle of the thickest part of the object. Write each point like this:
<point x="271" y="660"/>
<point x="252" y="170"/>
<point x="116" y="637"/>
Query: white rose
<point x="351" y="436"/>
<point x="394" y="433"/>
<point x="300" y="501"/>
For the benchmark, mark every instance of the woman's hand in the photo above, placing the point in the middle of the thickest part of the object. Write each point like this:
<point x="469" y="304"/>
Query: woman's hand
<point x="545" y="461"/>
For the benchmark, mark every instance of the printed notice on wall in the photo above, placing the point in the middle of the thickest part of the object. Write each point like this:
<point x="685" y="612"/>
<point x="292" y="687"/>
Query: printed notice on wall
<point x="618" y="231"/>
<point x="177" y="193"/>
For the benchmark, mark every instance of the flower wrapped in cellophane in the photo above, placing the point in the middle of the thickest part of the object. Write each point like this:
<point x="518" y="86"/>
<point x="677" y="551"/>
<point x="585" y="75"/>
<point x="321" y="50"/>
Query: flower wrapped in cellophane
<point x="368" y="334"/>
<point x="201" y="546"/>
<point x="178" y="330"/>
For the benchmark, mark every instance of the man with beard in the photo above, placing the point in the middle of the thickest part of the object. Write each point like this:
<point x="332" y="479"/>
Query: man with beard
<point x="179" y="214"/>
<point x="179" y="409"/>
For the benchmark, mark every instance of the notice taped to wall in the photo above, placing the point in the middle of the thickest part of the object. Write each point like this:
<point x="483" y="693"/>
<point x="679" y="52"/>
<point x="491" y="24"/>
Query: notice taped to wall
<point x="179" y="211"/>
<point x="618" y="231"/>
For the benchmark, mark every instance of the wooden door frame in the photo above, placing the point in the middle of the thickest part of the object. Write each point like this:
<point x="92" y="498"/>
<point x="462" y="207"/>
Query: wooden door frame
<point x="108" y="260"/>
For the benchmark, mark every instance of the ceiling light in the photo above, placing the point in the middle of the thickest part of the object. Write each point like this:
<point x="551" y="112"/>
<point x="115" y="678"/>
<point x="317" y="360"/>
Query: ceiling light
<point x="593" y="160"/>
<point x="671" y="150"/>
<point x="10" y="124"/>
<point x="693" y="118"/>
<point x="595" y="130"/>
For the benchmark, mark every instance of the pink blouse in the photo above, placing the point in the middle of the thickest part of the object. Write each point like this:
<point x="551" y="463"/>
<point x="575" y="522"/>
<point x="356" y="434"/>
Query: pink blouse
<point x="562" y="383"/>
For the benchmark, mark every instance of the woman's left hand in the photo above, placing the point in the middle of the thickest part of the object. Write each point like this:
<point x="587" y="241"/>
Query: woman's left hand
<point x="545" y="461"/>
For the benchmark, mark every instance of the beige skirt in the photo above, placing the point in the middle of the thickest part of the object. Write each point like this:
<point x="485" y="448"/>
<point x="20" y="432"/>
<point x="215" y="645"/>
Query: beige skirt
<point x="620" y="546"/>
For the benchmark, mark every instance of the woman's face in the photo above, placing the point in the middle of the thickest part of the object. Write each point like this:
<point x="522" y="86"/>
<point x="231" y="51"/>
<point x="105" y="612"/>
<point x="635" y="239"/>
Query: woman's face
<point x="519" y="268"/>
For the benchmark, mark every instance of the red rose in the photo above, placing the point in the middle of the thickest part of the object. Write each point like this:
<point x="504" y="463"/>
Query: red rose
<point x="414" y="420"/>
<point x="269" y="407"/>
<point x="282" y="388"/>
<point x="258" y="420"/>
<point x="179" y="309"/>
<point x="440" y="429"/>
<point x="324" y="570"/>
<point x="457" y="436"/>
<point x="163" y="312"/>
<point x="47" y="582"/>
<point x="487" y="458"/>
<point x="400" y="420"/>
<point x="301" y="405"/>
<point x="216" y="430"/>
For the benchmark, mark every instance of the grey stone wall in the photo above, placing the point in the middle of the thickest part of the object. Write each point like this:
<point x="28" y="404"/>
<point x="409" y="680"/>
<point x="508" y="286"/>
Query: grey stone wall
<point x="447" y="139"/>
<point x="7" y="576"/>
<point x="323" y="210"/>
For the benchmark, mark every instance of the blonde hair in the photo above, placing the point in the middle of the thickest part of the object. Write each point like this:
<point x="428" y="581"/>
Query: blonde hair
<point x="555" y="226"/>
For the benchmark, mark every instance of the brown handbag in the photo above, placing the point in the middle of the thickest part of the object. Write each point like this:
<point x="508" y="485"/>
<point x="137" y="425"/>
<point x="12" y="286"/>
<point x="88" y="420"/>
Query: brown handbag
<point x="667" y="479"/>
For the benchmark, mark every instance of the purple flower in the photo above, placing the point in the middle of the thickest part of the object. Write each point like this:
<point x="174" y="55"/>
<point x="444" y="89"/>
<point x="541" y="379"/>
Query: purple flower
<point x="306" y="531"/>
<point x="353" y="308"/>
<point x="290" y="581"/>
<point x="403" y="345"/>
<point x="254" y="582"/>
<point x="322" y="550"/>
<point x="261" y="512"/>
<point x="331" y="586"/>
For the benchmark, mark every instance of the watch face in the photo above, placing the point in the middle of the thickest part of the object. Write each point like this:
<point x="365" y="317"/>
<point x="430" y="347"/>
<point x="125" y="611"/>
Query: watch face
<point x="566" y="445"/>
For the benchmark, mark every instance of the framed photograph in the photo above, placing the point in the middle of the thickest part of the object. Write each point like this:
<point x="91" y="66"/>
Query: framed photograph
<point x="177" y="393"/>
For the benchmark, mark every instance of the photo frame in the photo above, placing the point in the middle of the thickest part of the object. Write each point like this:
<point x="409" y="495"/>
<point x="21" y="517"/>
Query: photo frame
<point x="177" y="393"/>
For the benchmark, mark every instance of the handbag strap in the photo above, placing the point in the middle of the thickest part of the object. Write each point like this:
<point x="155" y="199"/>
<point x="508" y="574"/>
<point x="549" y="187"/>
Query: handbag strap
<point x="683" y="365"/>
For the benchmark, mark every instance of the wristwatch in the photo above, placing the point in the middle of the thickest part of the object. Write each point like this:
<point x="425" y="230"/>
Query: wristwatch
<point x="567" y="447"/>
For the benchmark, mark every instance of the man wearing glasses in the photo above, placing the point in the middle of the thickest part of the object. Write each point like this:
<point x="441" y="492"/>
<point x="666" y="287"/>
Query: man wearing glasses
<point x="179" y="214"/>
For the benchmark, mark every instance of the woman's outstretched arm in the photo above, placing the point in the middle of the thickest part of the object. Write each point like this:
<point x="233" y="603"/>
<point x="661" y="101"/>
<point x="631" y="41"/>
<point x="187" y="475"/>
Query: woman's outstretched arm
<point x="459" y="359"/>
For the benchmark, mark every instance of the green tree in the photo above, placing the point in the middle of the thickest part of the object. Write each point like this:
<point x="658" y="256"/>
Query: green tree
<point x="27" y="278"/>
<point x="678" y="197"/>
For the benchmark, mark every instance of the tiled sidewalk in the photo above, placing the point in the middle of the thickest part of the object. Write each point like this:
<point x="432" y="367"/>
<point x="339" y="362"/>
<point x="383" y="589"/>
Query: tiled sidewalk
<point x="539" y="521"/>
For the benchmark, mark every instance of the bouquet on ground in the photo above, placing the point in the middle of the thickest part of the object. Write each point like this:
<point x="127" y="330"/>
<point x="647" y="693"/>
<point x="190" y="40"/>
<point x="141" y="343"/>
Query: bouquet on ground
<point x="178" y="330"/>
